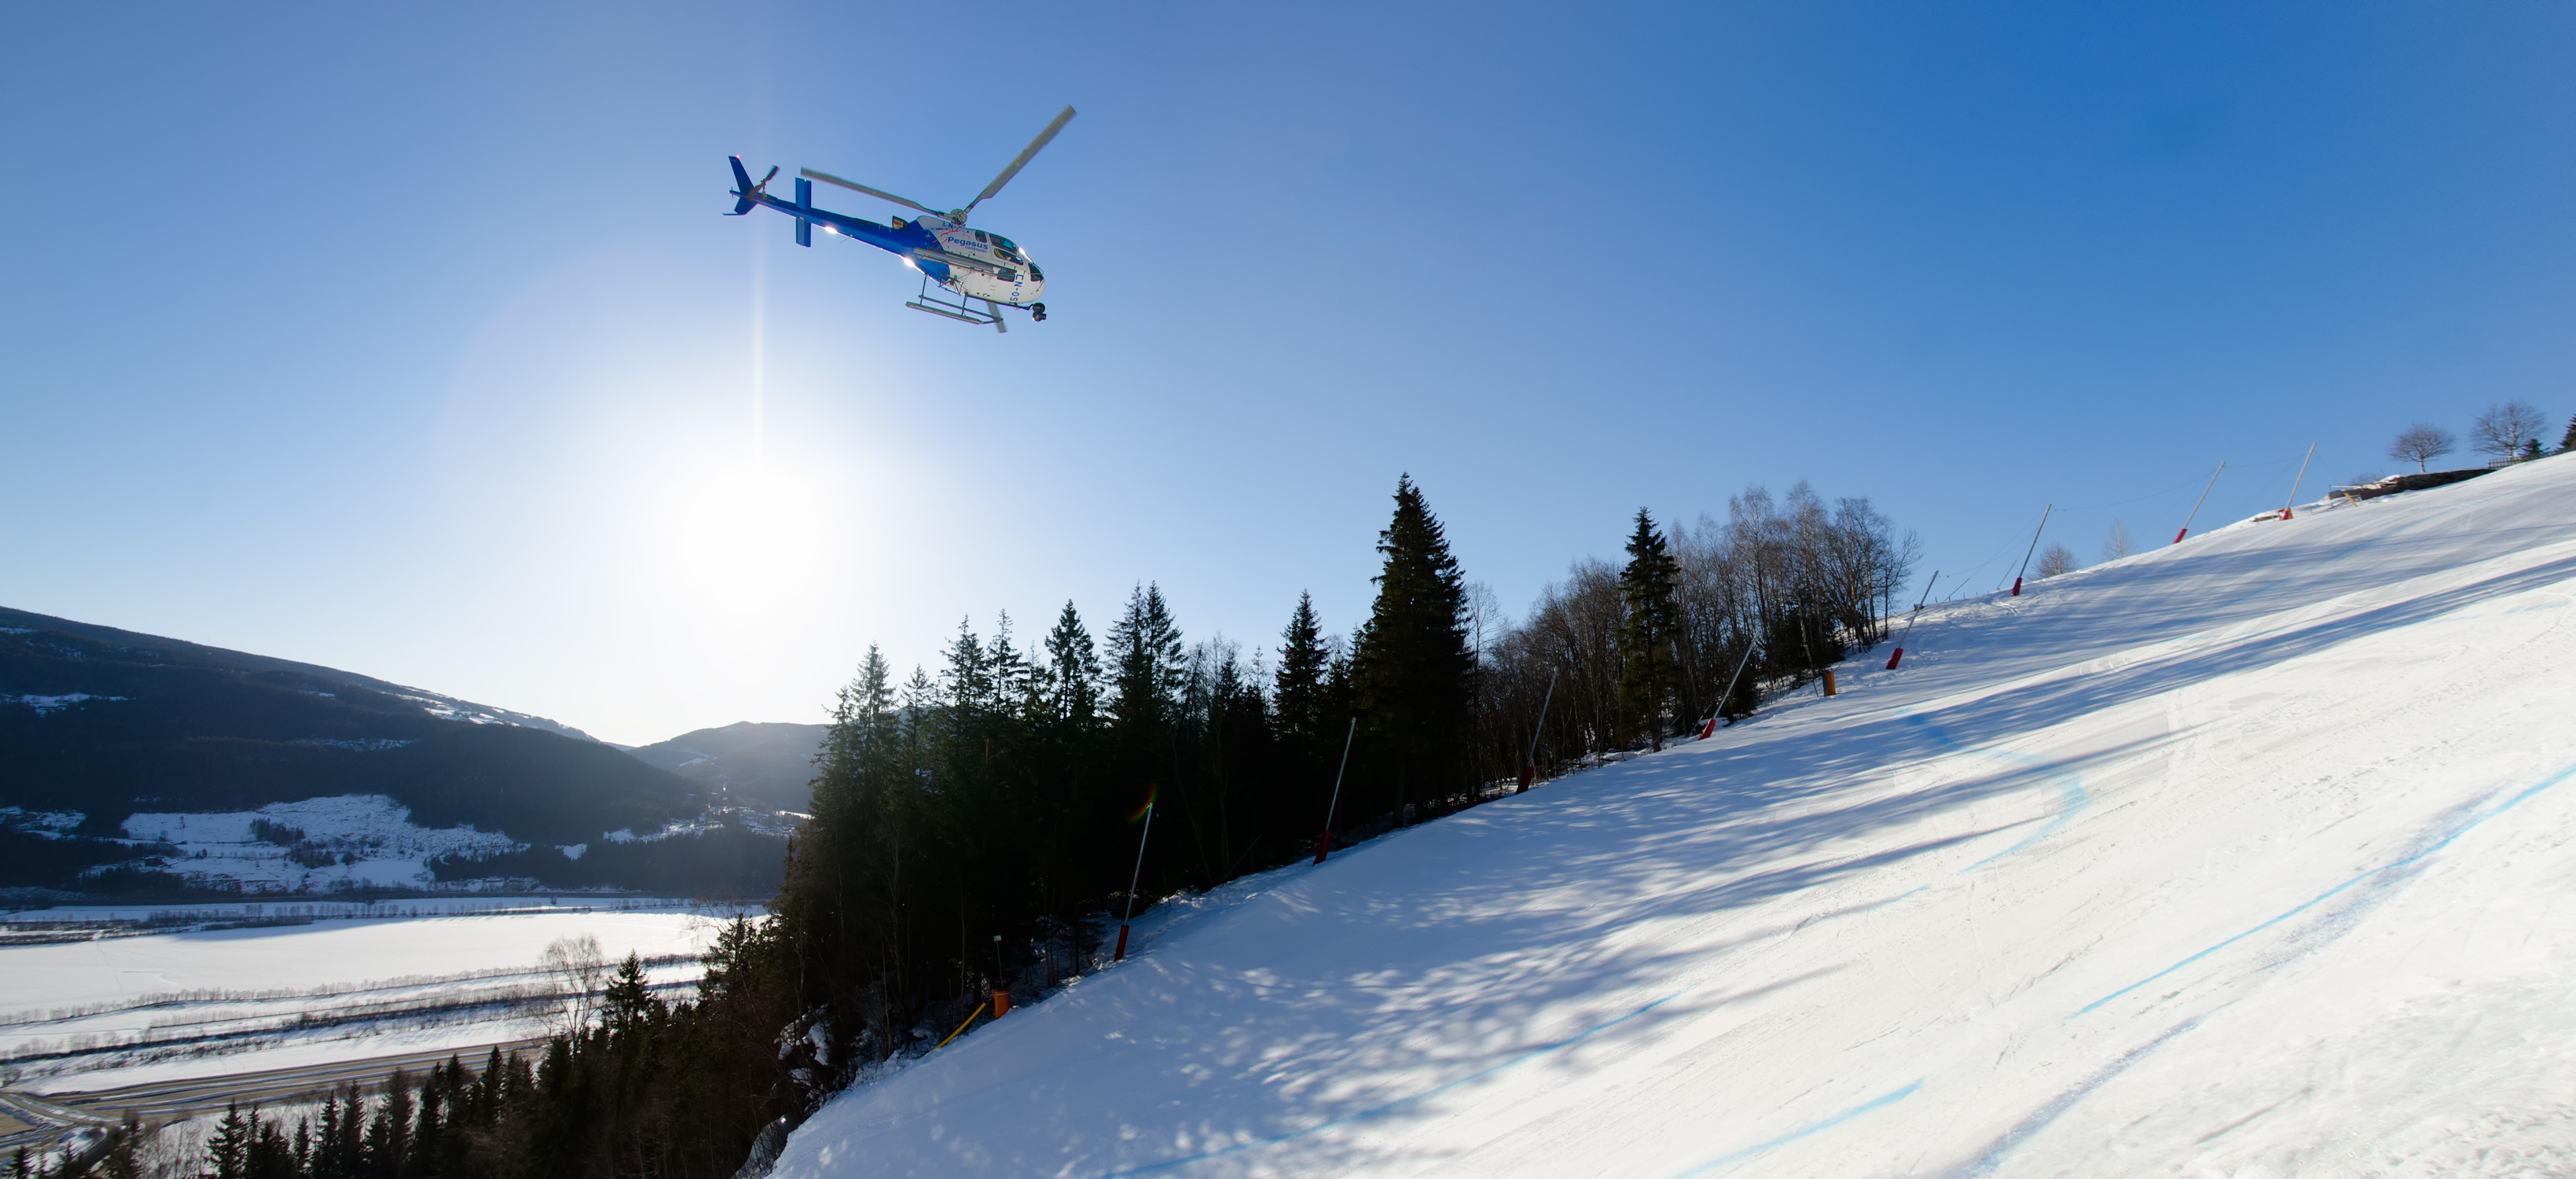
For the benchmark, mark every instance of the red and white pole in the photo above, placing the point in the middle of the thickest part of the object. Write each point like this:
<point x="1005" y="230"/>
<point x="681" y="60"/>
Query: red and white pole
<point x="1132" y="881"/>
<point x="2185" y="530"/>
<point x="1909" y="620"/>
<point x="2034" y="547"/>
<point x="2294" y="484"/>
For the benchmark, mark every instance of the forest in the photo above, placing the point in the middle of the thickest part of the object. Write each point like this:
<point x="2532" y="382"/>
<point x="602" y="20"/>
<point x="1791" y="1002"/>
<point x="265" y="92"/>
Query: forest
<point x="985" y="825"/>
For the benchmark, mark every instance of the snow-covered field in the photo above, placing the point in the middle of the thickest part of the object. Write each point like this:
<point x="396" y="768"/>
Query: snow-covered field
<point x="219" y="1001"/>
<point x="349" y="841"/>
<point x="2251" y="856"/>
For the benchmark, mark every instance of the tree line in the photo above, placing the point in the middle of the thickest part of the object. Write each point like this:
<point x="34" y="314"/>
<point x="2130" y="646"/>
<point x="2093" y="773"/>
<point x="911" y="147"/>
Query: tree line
<point x="982" y="825"/>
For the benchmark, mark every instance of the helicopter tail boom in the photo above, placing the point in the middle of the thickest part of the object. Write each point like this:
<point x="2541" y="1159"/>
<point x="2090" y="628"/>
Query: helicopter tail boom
<point x="744" y="201"/>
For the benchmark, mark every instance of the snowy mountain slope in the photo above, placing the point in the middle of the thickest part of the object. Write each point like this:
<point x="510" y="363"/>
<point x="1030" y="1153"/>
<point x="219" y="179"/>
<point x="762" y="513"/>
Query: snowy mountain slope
<point x="2248" y="856"/>
<point x="749" y="763"/>
<point x="98" y="725"/>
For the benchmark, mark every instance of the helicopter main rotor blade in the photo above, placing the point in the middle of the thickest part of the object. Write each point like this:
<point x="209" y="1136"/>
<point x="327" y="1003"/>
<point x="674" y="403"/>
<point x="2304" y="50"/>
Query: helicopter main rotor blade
<point x="1025" y="155"/>
<point x="880" y="194"/>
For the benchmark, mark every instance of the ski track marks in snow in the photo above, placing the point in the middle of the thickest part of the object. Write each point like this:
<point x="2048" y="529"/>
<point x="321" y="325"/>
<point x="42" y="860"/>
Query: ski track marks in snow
<point x="2164" y="867"/>
<point x="2329" y="894"/>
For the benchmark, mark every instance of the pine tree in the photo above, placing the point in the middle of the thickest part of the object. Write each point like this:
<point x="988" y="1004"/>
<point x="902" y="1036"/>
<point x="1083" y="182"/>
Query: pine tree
<point x="1306" y="726"/>
<point x="1298" y="687"/>
<point x="389" y="1133"/>
<point x="2567" y="442"/>
<point x="629" y="1001"/>
<point x="352" y="1162"/>
<point x="124" y="1148"/>
<point x="1070" y="692"/>
<point x="227" y="1149"/>
<point x="429" y="1135"/>
<point x="1412" y="669"/>
<point x="1148" y="664"/>
<point x="271" y="1154"/>
<point x="1648" y="590"/>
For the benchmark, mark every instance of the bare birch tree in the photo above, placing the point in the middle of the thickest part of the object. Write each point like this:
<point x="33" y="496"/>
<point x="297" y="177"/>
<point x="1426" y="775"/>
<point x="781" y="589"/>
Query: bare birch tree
<point x="2421" y="444"/>
<point x="577" y="969"/>
<point x="2118" y="544"/>
<point x="2506" y="430"/>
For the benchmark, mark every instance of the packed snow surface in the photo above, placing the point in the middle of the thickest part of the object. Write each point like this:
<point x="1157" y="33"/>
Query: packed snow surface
<point x="2254" y="855"/>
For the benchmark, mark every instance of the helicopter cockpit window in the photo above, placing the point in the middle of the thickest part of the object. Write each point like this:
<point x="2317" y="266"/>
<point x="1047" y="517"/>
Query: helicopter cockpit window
<point x="979" y="236"/>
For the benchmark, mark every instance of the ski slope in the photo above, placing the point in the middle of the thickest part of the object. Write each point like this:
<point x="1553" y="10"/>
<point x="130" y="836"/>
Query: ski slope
<point x="2248" y="856"/>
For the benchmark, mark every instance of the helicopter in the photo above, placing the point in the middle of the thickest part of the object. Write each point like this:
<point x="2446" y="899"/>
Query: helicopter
<point x="972" y="264"/>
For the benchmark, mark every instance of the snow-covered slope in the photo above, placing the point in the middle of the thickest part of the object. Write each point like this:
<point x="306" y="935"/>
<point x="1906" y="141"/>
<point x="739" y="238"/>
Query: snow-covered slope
<point x="2250" y="856"/>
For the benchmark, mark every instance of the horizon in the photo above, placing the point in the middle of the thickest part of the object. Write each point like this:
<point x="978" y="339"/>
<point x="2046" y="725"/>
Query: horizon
<point x="460" y="379"/>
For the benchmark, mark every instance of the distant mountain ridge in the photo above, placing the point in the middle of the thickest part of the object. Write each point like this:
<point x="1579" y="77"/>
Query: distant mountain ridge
<point x="763" y="764"/>
<point x="157" y="647"/>
<point x="98" y="725"/>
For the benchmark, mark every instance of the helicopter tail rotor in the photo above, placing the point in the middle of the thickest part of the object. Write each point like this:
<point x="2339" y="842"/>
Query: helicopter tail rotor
<point x="746" y="194"/>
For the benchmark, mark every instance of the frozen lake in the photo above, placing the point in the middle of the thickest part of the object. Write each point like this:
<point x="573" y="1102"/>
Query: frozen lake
<point x="208" y="1002"/>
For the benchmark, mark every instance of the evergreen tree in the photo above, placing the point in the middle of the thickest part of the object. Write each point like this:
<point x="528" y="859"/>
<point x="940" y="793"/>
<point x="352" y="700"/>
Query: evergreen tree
<point x="2567" y="441"/>
<point x="352" y="1163"/>
<point x="124" y="1148"/>
<point x="1307" y="727"/>
<point x="1070" y="694"/>
<point x="389" y="1133"/>
<point x="227" y="1149"/>
<point x="1073" y="795"/>
<point x="1648" y="590"/>
<point x="1298" y="694"/>
<point x="629" y="1001"/>
<point x="271" y="1154"/>
<point x="1148" y="669"/>
<point x="844" y="863"/>
<point x="1411" y="665"/>
<point x="1148" y="664"/>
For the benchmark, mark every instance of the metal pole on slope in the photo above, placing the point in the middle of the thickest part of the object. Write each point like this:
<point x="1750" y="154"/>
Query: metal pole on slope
<point x="2195" y="504"/>
<point x="1529" y="765"/>
<point x="1132" y="881"/>
<point x="2034" y="547"/>
<point x="2294" y="484"/>
<point x="1909" y="620"/>
<point x="1325" y="845"/>
<point x="1711" y="729"/>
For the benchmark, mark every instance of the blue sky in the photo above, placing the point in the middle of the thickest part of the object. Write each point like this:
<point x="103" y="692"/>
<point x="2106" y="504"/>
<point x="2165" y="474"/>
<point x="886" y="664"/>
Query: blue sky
<point x="410" y="339"/>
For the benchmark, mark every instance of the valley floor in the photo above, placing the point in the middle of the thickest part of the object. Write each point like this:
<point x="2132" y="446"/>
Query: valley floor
<point x="157" y="1009"/>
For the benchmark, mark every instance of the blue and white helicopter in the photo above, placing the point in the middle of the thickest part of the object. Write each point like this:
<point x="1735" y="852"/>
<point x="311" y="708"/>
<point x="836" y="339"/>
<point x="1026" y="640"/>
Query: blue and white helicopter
<point x="970" y="263"/>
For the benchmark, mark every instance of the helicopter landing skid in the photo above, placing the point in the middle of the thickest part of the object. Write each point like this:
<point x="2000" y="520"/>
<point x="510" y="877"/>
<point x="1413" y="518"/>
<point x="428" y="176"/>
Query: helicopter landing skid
<point x="959" y="310"/>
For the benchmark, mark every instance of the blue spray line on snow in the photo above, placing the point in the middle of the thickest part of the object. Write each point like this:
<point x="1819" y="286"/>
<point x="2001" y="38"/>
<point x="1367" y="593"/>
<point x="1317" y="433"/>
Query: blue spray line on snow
<point x="1884" y="1099"/>
<point x="2321" y="898"/>
<point x="2071" y="797"/>
<point x="1373" y="1111"/>
<point x="2029" y="1127"/>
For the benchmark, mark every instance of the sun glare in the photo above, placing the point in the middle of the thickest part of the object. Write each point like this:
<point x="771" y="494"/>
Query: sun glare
<point x="747" y="537"/>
